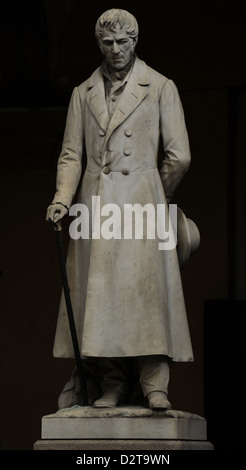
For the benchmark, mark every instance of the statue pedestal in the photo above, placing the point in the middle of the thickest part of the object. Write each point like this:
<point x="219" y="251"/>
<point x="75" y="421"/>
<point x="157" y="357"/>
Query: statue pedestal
<point x="122" y="428"/>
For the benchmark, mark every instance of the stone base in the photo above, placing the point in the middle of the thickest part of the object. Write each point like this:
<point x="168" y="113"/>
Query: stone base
<point x="128" y="423"/>
<point x="121" y="444"/>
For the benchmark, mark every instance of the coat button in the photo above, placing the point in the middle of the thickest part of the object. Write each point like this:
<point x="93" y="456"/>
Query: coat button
<point x="125" y="171"/>
<point x="102" y="133"/>
<point x="106" y="170"/>
<point x="127" y="152"/>
<point x="128" y="132"/>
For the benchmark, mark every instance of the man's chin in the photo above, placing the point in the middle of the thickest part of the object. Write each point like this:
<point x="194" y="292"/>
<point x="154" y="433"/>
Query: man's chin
<point x="117" y="66"/>
<point x="120" y="64"/>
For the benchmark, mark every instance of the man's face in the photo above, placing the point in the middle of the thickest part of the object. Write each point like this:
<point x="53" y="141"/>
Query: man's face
<point x="117" y="47"/>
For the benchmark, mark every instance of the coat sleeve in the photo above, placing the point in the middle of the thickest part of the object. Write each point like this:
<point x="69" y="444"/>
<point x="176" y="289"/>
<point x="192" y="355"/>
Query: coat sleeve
<point x="175" y="139"/>
<point x="70" y="160"/>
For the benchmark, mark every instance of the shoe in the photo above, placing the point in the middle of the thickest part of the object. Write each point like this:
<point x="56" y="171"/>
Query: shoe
<point x="158" y="401"/>
<point x="108" y="400"/>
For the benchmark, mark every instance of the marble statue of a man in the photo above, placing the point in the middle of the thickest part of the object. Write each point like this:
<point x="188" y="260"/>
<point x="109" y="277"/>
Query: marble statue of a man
<point x="126" y="293"/>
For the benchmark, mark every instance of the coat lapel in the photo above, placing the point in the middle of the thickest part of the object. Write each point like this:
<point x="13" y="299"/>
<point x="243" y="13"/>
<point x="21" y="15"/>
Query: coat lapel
<point x="135" y="91"/>
<point x="95" y="98"/>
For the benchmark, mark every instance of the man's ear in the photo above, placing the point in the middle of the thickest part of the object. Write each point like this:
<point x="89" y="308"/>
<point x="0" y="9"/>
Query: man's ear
<point x="99" y="43"/>
<point x="134" y="43"/>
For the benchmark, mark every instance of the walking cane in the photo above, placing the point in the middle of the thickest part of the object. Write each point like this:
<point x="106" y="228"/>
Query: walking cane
<point x="58" y="232"/>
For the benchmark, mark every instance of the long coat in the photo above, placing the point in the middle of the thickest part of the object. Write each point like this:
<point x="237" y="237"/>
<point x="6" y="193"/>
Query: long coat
<point x="126" y="293"/>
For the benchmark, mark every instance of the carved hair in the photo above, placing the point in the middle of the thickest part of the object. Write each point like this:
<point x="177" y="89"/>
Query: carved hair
<point x="110" y="19"/>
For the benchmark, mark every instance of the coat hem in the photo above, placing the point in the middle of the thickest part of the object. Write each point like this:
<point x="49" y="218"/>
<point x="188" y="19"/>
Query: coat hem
<point x="85" y="356"/>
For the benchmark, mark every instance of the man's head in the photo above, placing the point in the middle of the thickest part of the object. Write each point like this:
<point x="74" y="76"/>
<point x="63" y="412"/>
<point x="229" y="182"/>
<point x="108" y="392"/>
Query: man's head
<point x="117" y="35"/>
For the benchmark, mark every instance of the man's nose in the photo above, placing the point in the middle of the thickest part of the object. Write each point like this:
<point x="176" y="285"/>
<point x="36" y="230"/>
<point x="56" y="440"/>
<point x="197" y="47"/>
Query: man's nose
<point x="115" y="48"/>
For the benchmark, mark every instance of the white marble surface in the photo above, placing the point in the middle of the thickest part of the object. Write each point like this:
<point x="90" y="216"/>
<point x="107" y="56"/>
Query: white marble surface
<point x="122" y="423"/>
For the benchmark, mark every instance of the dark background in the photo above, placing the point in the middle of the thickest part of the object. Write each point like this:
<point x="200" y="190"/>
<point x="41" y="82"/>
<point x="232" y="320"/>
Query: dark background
<point x="48" y="47"/>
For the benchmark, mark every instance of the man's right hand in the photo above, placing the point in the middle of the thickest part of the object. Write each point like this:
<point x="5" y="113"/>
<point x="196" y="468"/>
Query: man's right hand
<point x="55" y="212"/>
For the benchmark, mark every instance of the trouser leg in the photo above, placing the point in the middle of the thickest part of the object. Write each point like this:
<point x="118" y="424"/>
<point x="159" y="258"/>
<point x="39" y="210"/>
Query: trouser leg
<point x="114" y="375"/>
<point x="153" y="374"/>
